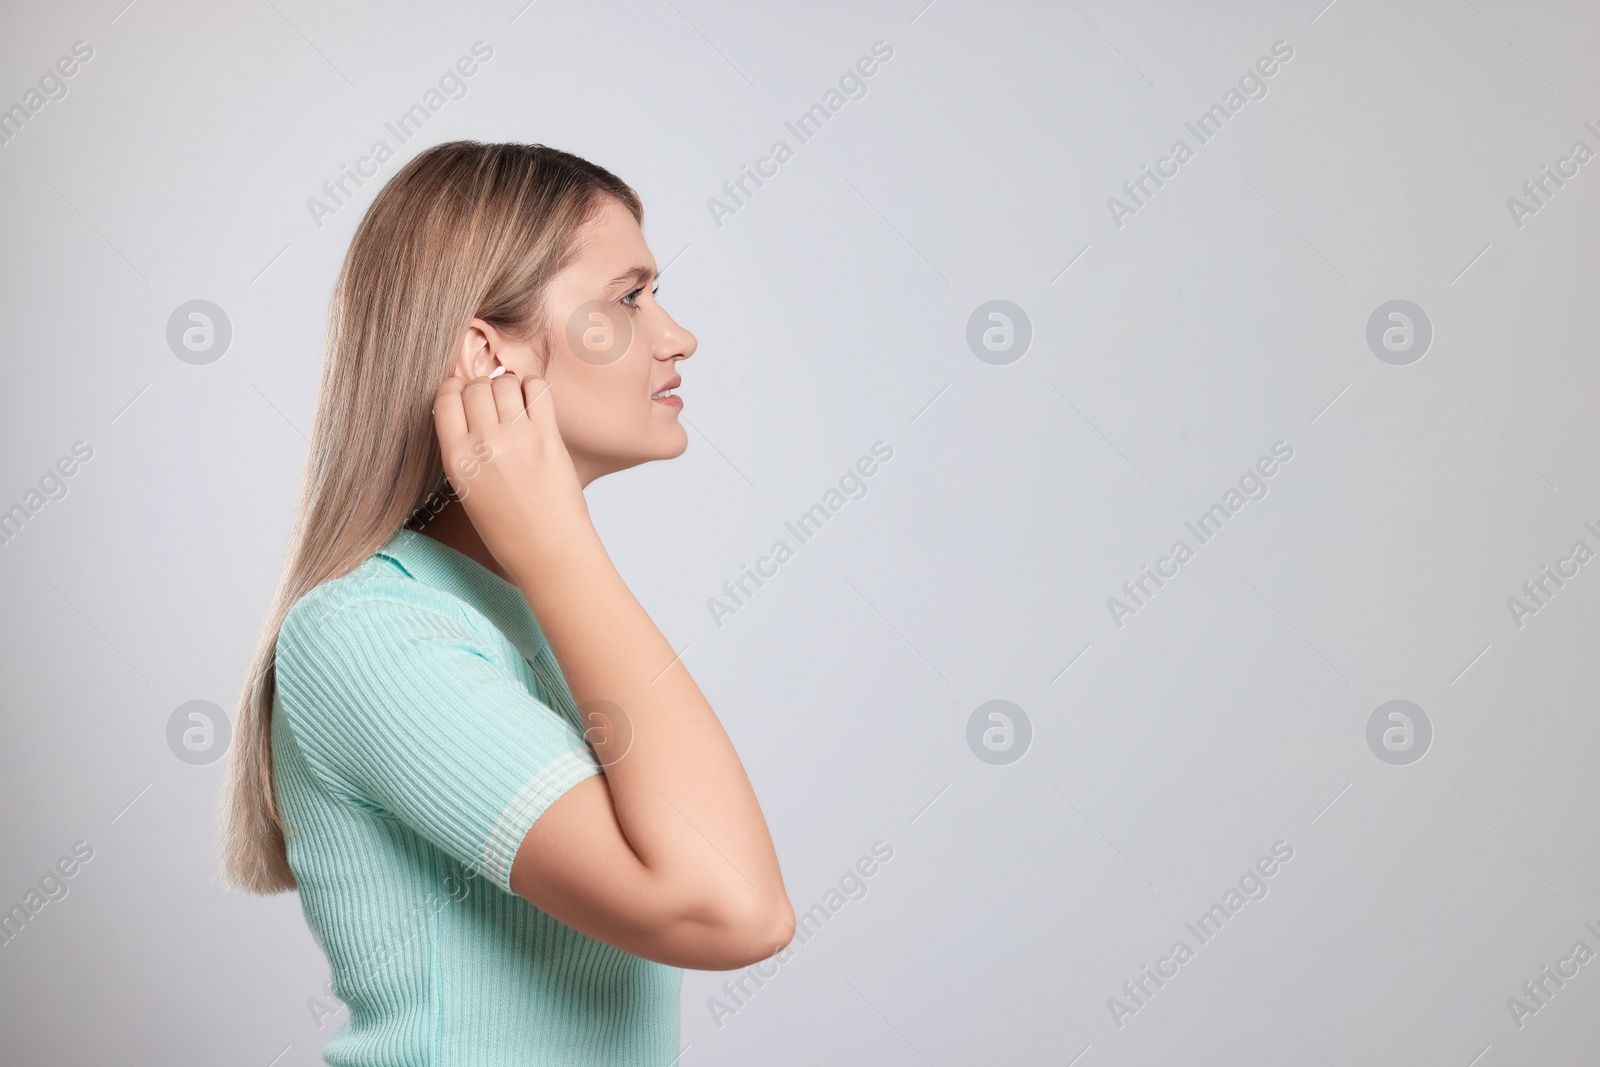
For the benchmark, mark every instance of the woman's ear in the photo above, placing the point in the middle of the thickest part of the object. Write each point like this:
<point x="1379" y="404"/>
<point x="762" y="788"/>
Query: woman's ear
<point x="478" y="356"/>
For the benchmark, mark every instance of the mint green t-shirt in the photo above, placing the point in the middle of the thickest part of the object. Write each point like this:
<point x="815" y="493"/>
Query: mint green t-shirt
<point x="421" y="725"/>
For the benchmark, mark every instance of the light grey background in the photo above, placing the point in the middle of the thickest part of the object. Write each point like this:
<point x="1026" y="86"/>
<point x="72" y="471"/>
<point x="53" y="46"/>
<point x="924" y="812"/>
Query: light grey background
<point x="1167" y="755"/>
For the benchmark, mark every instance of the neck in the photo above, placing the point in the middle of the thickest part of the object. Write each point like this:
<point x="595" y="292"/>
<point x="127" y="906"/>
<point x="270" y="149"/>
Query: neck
<point x="453" y="528"/>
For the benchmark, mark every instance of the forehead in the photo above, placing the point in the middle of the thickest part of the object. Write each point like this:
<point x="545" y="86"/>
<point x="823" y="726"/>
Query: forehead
<point x="610" y="242"/>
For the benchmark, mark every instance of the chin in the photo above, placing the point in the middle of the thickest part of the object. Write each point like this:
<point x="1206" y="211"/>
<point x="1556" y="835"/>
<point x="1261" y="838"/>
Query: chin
<point x="666" y="442"/>
<point x="678" y="445"/>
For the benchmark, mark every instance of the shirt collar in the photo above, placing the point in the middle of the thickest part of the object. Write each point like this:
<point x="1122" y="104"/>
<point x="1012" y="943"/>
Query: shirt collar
<point x="437" y="564"/>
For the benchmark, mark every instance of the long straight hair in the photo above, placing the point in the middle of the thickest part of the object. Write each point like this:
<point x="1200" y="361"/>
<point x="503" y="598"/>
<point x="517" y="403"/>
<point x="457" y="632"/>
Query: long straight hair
<point x="464" y="230"/>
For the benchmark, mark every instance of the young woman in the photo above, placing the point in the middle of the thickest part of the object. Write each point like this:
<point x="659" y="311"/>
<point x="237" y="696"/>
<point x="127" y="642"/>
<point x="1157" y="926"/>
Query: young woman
<point x="509" y="811"/>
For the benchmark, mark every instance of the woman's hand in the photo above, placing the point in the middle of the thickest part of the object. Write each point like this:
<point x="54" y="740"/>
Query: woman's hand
<point x="508" y="465"/>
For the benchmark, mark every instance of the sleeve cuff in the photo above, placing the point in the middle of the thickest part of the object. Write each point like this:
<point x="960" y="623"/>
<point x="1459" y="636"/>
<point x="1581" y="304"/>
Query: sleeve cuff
<point x="530" y="802"/>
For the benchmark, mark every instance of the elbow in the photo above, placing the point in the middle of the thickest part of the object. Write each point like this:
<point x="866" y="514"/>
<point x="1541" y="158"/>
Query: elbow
<point x="750" y="931"/>
<point x="777" y="931"/>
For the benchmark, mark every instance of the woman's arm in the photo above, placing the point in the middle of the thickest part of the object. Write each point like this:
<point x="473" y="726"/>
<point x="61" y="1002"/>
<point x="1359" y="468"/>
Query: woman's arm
<point x="666" y="855"/>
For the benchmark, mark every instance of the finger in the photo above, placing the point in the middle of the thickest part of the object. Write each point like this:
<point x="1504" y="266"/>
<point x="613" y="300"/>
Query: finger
<point x="537" y="399"/>
<point x="449" y="417"/>
<point x="507" y="397"/>
<point x="478" y="398"/>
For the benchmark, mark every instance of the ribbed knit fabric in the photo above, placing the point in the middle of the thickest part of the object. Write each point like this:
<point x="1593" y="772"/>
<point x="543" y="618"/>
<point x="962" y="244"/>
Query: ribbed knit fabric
<point x="421" y="726"/>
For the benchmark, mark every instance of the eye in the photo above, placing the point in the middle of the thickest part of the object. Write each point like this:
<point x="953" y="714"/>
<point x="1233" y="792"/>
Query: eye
<point x="629" y="299"/>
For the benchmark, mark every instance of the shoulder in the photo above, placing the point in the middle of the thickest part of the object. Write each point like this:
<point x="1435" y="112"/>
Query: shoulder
<point x="375" y="603"/>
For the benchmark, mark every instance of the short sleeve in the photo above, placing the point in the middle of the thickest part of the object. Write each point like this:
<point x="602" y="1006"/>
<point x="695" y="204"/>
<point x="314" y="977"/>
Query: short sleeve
<point x="402" y="709"/>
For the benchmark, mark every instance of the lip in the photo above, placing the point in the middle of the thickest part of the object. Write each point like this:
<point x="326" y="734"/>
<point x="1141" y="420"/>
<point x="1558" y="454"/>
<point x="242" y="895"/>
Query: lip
<point x="675" y="402"/>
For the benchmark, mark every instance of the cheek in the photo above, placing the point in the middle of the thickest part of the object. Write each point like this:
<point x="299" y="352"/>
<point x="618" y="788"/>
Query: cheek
<point x="603" y="409"/>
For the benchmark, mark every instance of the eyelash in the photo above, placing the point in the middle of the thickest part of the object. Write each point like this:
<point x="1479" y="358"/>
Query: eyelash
<point x="636" y="292"/>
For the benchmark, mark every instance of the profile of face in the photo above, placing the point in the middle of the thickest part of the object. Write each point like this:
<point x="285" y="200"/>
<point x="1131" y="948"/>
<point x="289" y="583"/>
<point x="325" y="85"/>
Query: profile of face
<point x="612" y="351"/>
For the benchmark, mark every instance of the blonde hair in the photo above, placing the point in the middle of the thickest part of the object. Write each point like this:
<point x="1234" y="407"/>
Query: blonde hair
<point x="465" y="230"/>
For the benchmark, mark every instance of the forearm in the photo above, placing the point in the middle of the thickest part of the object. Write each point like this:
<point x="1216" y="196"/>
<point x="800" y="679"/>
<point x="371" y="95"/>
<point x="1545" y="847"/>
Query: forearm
<point x="680" y="793"/>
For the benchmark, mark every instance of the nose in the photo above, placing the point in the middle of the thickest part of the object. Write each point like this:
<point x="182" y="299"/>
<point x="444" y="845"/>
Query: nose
<point x="673" y="341"/>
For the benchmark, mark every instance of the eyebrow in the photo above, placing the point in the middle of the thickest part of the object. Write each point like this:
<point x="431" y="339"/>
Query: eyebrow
<point x="637" y="273"/>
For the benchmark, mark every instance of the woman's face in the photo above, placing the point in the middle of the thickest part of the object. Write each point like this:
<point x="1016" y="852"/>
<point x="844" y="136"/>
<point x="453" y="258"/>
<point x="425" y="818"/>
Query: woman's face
<point x="613" y="351"/>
